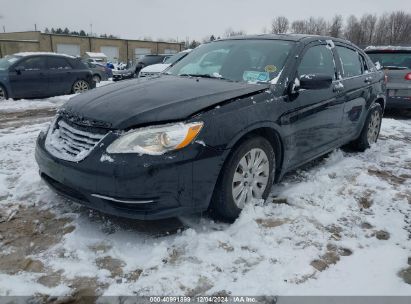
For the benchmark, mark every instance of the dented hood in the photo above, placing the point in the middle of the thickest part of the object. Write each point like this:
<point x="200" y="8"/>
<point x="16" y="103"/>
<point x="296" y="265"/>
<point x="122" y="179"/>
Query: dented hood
<point x="166" y="98"/>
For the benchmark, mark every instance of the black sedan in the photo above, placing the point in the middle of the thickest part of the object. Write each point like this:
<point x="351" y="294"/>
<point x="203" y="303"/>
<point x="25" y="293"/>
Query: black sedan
<point x="216" y="134"/>
<point x="29" y="75"/>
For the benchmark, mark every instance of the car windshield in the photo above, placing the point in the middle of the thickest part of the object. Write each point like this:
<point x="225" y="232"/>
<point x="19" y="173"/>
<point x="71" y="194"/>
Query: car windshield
<point x="175" y="58"/>
<point x="394" y="60"/>
<point x="7" y="61"/>
<point x="249" y="60"/>
<point x="151" y="59"/>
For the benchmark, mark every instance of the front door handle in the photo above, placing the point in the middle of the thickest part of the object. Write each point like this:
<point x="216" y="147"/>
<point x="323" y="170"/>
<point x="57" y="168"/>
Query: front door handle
<point x="338" y="87"/>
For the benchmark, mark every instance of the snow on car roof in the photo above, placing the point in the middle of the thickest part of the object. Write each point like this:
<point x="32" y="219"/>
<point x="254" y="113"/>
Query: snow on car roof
<point x="23" y="54"/>
<point x="92" y="54"/>
<point x="388" y="48"/>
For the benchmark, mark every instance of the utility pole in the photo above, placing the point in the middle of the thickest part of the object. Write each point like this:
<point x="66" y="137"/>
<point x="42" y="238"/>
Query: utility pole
<point x="91" y="29"/>
<point x="4" y="28"/>
<point x="35" y="27"/>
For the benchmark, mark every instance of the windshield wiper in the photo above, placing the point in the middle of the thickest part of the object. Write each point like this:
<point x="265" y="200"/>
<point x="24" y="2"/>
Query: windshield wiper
<point x="204" y="76"/>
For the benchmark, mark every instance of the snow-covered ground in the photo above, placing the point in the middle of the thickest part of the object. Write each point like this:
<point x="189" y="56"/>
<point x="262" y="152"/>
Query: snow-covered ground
<point x="339" y="226"/>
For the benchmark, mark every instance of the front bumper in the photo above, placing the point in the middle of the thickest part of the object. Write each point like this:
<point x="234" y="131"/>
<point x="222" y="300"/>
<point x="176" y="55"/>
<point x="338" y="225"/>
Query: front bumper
<point x="138" y="187"/>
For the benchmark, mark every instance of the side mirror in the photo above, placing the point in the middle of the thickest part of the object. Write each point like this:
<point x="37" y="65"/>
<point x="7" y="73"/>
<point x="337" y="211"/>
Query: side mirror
<point x="315" y="81"/>
<point x="19" y="69"/>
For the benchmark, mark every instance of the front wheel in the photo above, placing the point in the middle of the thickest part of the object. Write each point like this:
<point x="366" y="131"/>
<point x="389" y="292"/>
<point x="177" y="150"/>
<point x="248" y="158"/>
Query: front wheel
<point x="80" y="86"/>
<point x="3" y="94"/>
<point x="247" y="175"/>
<point x="371" y="130"/>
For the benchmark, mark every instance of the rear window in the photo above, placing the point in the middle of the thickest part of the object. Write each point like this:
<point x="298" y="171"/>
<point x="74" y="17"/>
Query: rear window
<point x="151" y="59"/>
<point x="401" y="60"/>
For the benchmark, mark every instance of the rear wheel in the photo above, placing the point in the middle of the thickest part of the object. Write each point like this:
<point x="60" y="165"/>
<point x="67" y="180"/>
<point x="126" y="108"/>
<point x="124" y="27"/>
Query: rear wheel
<point x="3" y="93"/>
<point x="247" y="175"/>
<point x="80" y="86"/>
<point x="371" y="130"/>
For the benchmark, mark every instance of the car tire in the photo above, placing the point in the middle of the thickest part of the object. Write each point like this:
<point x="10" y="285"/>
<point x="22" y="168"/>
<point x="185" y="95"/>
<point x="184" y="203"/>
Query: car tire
<point x="256" y="180"/>
<point x="80" y="86"/>
<point x="96" y="78"/>
<point x="3" y="93"/>
<point x="371" y="129"/>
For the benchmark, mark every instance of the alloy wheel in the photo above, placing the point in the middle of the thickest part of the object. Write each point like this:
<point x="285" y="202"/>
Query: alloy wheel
<point x="80" y="86"/>
<point x="250" y="177"/>
<point x="373" y="127"/>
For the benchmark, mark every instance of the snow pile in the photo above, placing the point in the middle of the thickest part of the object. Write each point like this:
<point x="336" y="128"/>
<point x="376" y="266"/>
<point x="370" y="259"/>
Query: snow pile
<point x="336" y="227"/>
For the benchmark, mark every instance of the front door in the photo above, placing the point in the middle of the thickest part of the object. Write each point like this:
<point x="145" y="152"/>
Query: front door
<point x="28" y="77"/>
<point x="315" y="116"/>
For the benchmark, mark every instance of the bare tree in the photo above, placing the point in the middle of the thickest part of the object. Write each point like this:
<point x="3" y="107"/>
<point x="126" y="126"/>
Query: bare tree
<point x="280" y="25"/>
<point x="399" y="27"/>
<point x="367" y="25"/>
<point x="336" y="26"/>
<point x="299" y="27"/>
<point x="389" y="28"/>
<point x="352" y="30"/>
<point x="231" y="33"/>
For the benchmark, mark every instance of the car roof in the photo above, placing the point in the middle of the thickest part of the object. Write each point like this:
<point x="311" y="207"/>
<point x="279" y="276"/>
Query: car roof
<point x="25" y="54"/>
<point x="387" y="48"/>
<point x="306" y="38"/>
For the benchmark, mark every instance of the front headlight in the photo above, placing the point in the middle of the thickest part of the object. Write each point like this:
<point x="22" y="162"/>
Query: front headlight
<point x="156" y="140"/>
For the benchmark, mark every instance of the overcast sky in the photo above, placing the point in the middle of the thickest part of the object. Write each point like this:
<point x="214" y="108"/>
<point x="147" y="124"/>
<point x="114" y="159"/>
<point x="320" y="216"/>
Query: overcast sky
<point x="180" y="19"/>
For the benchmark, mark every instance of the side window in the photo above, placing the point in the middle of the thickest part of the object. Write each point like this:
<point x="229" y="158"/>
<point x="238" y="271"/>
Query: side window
<point x="364" y="64"/>
<point x="317" y="60"/>
<point x="33" y="64"/>
<point x="350" y="62"/>
<point x="57" y="63"/>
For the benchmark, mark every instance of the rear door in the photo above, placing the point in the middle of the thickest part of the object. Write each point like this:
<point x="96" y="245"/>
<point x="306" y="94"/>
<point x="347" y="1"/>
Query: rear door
<point x="28" y="77"/>
<point x="315" y="115"/>
<point x="357" y="83"/>
<point x="60" y="75"/>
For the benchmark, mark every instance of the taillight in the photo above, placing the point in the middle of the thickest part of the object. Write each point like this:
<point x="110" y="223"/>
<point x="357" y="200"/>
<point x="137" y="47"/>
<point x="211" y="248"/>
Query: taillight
<point x="408" y="76"/>
<point x="385" y="78"/>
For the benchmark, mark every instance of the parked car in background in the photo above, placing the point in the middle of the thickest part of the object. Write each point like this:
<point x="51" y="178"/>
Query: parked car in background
<point x="156" y="69"/>
<point x="28" y="75"/>
<point x="127" y="73"/>
<point x="96" y="58"/>
<point x="180" y="143"/>
<point x="147" y="60"/>
<point x="396" y="62"/>
<point x="99" y="71"/>
<point x="133" y="70"/>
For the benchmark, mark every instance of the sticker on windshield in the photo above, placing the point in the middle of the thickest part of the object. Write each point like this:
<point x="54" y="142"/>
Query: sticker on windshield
<point x="254" y="76"/>
<point x="270" y="68"/>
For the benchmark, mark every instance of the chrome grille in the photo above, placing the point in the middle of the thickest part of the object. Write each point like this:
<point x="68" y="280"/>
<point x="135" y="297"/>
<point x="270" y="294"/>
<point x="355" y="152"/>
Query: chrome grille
<point x="70" y="143"/>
